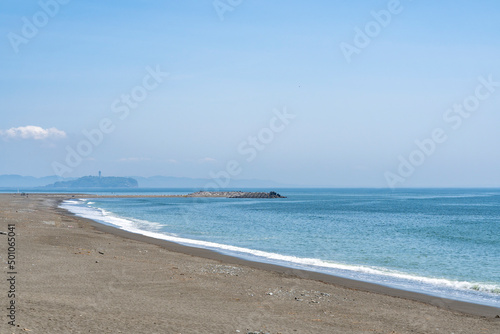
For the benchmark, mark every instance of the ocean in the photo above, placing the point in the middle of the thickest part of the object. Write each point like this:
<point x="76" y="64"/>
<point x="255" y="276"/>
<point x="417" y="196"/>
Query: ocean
<point x="441" y="242"/>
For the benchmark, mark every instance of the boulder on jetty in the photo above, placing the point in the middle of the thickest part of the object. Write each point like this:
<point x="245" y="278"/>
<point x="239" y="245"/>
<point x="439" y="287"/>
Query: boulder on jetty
<point x="236" y="194"/>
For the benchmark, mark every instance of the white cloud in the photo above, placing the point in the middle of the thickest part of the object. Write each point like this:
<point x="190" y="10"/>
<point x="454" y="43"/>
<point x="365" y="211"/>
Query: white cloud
<point x="32" y="132"/>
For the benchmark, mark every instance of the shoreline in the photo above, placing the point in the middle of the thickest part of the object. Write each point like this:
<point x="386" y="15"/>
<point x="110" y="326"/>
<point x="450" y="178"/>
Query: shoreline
<point x="445" y="303"/>
<point x="76" y="275"/>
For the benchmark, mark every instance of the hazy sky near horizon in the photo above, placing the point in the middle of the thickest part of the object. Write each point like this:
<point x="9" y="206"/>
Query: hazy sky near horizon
<point x="322" y="93"/>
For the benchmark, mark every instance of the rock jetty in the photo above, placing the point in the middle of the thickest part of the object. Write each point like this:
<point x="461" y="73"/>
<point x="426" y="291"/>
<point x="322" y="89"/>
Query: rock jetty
<point x="236" y="194"/>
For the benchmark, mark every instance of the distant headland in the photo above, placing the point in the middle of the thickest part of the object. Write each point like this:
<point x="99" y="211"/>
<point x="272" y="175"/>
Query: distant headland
<point x="97" y="182"/>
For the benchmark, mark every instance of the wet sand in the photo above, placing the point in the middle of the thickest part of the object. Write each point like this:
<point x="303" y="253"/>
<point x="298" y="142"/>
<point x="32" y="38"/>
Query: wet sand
<point x="77" y="276"/>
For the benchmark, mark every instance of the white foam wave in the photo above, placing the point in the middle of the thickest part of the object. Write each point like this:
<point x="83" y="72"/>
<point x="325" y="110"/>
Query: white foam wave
<point x="72" y="201"/>
<point x="145" y="228"/>
<point x="108" y="217"/>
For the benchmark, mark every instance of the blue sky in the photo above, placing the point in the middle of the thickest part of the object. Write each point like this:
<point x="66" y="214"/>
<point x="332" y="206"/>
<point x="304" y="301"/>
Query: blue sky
<point x="355" y="123"/>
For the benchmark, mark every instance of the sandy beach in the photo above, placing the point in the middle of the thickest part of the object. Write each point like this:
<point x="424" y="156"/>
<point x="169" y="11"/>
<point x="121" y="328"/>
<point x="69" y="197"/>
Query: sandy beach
<point x="76" y="276"/>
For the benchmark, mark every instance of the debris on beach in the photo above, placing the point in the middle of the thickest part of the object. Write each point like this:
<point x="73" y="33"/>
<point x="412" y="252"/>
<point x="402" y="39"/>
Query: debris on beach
<point x="223" y="269"/>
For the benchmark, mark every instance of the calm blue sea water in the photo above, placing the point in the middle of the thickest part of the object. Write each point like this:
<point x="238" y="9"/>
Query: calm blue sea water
<point x="443" y="242"/>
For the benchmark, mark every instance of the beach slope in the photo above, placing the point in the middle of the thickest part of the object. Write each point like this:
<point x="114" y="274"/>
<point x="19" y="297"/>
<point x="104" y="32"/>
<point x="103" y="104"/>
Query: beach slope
<point x="76" y="276"/>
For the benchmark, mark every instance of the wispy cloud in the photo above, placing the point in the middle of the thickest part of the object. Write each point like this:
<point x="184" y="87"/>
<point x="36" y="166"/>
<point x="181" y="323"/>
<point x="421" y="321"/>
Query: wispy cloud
<point x="133" y="159"/>
<point x="207" y="160"/>
<point x="32" y="132"/>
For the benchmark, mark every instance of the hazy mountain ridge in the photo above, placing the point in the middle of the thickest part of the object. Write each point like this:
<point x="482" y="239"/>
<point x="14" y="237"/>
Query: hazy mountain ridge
<point x="18" y="181"/>
<point x="186" y="182"/>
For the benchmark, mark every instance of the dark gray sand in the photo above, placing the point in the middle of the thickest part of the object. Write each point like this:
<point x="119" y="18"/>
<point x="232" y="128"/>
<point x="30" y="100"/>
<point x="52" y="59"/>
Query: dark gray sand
<point x="77" y="276"/>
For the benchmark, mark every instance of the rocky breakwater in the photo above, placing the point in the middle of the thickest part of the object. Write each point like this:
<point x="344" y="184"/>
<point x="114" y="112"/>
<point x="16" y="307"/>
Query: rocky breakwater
<point x="236" y="194"/>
